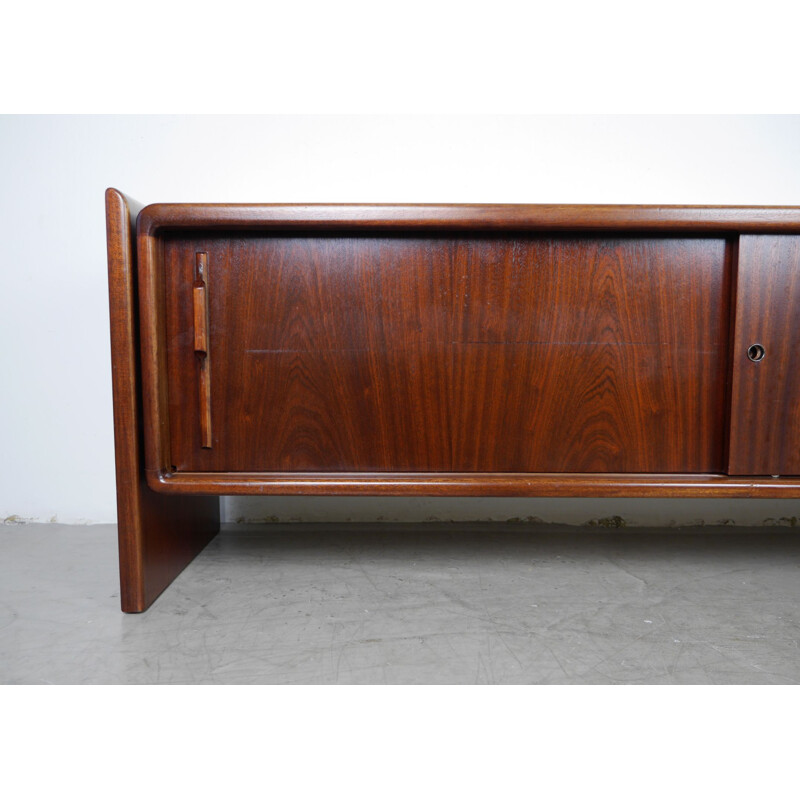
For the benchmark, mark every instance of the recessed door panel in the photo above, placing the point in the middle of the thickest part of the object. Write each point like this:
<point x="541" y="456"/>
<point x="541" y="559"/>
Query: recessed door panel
<point x="454" y="354"/>
<point x="765" y="396"/>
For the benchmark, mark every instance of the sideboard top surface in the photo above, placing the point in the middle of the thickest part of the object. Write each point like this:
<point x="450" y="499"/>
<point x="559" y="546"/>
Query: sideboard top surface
<point x="640" y="218"/>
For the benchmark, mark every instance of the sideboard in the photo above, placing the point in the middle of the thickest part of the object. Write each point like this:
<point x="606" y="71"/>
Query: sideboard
<point x="539" y="350"/>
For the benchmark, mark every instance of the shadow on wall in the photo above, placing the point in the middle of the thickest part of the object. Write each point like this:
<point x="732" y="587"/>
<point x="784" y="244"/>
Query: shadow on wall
<point x="604" y="512"/>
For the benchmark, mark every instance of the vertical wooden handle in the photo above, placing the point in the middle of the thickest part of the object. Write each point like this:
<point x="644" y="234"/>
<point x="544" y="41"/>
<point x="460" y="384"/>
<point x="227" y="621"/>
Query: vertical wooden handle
<point x="201" y="345"/>
<point x="200" y="301"/>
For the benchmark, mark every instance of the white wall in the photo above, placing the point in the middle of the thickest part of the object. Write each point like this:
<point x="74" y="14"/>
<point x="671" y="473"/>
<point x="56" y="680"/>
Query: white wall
<point x="55" y="386"/>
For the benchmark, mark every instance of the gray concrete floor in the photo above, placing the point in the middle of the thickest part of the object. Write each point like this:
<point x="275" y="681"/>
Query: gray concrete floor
<point x="378" y="603"/>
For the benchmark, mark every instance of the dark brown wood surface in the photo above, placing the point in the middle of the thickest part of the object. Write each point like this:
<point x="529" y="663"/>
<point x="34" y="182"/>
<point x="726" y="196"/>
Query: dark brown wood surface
<point x="158" y="534"/>
<point x="469" y="354"/>
<point x="675" y="219"/>
<point x="765" y="396"/>
<point x="443" y="351"/>
<point x="472" y="484"/>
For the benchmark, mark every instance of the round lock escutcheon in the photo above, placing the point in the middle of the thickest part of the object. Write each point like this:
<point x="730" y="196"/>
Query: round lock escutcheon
<point x="755" y="352"/>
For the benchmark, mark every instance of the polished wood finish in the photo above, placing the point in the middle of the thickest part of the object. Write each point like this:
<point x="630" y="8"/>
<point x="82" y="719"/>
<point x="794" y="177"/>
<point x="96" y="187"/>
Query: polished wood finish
<point x="201" y="346"/>
<point x="466" y="484"/>
<point x="765" y="398"/>
<point x="444" y="351"/>
<point x="451" y="354"/>
<point x="667" y="411"/>
<point x="158" y="534"/>
<point x="547" y="218"/>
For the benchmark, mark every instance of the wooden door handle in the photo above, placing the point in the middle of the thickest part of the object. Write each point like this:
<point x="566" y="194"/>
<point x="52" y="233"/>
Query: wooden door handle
<point x="201" y="344"/>
<point x="200" y="302"/>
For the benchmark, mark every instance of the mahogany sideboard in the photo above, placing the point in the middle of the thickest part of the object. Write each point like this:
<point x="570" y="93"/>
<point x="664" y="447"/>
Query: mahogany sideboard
<point x="628" y="351"/>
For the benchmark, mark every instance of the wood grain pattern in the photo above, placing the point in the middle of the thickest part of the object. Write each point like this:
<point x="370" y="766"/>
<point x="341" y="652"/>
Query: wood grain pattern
<point x="342" y="217"/>
<point x="202" y="346"/>
<point x="431" y="350"/>
<point x="441" y="484"/>
<point x="453" y="354"/>
<point x="158" y="534"/>
<point x="200" y="305"/>
<point x="765" y="397"/>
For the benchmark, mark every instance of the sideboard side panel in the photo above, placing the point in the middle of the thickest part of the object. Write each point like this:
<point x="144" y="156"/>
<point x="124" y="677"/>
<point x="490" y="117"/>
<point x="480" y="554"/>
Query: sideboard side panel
<point x="158" y="534"/>
<point x="765" y="393"/>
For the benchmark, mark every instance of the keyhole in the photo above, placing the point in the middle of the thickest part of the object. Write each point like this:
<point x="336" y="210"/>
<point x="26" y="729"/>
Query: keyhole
<point x="755" y="352"/>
